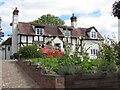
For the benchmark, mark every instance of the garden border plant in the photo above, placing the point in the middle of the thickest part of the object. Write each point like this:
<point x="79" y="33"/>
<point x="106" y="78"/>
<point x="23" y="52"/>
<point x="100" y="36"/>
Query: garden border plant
<point x="107" y="61"/>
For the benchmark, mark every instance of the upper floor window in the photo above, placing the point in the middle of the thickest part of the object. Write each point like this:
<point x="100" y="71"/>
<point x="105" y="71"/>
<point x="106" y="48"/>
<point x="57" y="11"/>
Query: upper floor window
<point x="93" y="34"/>
<point x="67" y="33"/>
<point x="39" y="31"/>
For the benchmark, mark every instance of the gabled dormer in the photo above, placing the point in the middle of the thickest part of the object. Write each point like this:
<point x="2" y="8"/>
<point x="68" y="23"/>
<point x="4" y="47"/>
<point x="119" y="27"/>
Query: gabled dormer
<point x="65" y="31"/>
<point x="92" y="32"/>
<point x="39" y="30"/>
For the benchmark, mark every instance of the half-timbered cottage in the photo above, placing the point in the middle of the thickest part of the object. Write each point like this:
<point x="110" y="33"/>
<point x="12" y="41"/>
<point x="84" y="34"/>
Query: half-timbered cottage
<point x="25" y="33"/>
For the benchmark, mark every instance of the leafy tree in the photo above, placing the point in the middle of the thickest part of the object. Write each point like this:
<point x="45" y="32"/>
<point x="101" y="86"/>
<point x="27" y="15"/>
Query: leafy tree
<point x="116" y="13"/>
<point x="49" y="19"/>
<point x="116" y="9"/>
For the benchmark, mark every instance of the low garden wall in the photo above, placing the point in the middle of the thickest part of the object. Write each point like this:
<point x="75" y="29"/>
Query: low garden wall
<point x="109" y="80"/>
<point x="39" y="76"/>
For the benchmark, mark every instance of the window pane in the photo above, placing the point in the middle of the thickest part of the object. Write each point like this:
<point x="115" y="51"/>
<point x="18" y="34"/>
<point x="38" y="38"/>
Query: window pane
<point x="37" y="31"/>
<point x="40" y="31"/>
<point x="93" y="34"/>
<point x="94" y="51"/>
<point x="91" y="51"/>
<point x="8" y="48"/>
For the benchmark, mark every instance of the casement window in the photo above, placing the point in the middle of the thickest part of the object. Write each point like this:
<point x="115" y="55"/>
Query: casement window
<point x="8" y="48"/>
<point x="94" y="51"/>
<point x="39" y="31"/>
<point x="67" y="33"/>
<point x="93" y="34"/>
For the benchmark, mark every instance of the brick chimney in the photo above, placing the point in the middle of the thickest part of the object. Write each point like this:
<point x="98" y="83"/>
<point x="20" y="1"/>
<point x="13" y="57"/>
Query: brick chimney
<point x="73" y="21"/>
<point x="14" y="31"/>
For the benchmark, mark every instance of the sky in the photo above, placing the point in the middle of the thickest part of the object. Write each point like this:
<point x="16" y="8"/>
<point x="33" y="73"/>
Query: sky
<point x="97" y="13"/>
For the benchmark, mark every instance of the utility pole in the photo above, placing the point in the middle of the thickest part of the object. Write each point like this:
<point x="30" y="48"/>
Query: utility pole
<point x="1" y="33"/>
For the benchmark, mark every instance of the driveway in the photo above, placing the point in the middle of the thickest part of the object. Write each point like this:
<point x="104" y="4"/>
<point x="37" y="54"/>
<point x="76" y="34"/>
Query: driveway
<point x="14" y="77"/>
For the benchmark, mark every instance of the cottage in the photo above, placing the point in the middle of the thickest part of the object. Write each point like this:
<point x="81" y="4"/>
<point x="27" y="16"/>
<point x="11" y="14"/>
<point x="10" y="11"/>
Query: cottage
<point x="24" y="33"/>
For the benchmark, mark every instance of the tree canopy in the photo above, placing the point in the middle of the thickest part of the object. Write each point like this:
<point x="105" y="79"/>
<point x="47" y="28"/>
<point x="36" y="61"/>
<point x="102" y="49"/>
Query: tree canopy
<point x="116" y="9"/>
<point x="49" y="19"/>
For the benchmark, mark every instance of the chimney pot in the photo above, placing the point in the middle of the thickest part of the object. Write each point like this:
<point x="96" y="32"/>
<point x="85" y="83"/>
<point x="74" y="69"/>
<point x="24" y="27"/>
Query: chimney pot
<point x="15" y="12"/>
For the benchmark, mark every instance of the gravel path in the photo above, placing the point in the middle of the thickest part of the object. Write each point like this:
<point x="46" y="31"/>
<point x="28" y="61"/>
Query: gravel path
<point x="14" y="77"/>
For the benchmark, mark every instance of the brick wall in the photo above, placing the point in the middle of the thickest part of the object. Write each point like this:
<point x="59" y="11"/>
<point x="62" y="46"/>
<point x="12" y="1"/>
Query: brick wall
<point x="42" y="79"/>
<point x="98" y="80"/>
<point x="92" y="81"/>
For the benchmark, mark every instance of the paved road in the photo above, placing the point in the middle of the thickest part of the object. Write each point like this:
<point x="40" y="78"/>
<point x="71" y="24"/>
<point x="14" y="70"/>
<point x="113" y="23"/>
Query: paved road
<point x="14" y="77"/>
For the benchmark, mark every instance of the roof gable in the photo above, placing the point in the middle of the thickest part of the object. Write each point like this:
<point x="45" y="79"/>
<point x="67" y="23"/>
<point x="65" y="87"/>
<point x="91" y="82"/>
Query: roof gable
<point x="7" y="42"/>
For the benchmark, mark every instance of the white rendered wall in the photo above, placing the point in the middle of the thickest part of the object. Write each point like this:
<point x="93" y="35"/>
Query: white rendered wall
<point x="74" y="24"/>
<point x="47" y="39"/>
<point x="14" y="34"/>
<point x="30" y="39"/>
<point x="23" y="39"/>
<point x="91" y="44"/>
<point x="8" y="53"/>
<point x="57" y="40"/>
<point x="73" y="46"/>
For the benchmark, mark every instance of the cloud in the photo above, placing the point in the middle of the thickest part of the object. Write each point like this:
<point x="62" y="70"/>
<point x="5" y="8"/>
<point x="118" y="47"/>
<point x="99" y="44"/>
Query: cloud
<point x="89" y="12"/>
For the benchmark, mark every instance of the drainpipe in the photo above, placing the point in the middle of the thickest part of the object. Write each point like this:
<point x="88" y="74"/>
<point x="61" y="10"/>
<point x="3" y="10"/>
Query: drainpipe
<point x="5" y="52"/>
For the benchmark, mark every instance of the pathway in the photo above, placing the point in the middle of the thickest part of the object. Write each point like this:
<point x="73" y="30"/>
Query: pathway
<point x="14" y="77"/>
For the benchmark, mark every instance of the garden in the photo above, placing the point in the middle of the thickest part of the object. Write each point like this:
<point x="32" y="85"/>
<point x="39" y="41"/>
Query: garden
<point x="108" y="61"/>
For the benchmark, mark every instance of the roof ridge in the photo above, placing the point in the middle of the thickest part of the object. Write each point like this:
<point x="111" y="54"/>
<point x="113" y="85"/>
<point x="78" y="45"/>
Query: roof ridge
<point x="25" y="22"/>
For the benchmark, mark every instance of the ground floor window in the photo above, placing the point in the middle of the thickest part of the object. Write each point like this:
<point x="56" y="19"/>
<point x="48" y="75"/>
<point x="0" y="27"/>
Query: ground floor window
<point x="8" y="48"/>
<point x="94" y="51"/>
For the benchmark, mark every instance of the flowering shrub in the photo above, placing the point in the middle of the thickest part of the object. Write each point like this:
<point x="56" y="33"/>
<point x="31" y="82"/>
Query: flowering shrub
<point x="57" y="63"/>
<point x="30" y="51"/>
<point x="51" y="53"/>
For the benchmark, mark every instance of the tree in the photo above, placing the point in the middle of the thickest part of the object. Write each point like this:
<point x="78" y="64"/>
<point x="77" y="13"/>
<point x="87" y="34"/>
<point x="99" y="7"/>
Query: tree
<point x="116" y="13"/>
<point x="116" y="9"/>
<point x="49" y="19"/>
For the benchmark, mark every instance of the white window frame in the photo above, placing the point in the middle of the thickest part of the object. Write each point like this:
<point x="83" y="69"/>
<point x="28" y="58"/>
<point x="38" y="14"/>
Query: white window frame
<point x="39" y="31"/>
<point x="93" y="34"/>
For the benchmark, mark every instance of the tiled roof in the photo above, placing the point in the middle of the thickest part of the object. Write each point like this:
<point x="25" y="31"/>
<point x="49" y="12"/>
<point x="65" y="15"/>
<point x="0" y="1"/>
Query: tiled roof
<point x="52" y="30"/>
<point x="7" y="42"/>
<point x="25" y="28"/>
<point x="28" y="29"/>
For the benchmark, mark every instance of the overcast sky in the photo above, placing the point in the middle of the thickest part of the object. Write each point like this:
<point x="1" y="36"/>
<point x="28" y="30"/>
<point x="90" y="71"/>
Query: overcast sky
<point x="96" y="13"/>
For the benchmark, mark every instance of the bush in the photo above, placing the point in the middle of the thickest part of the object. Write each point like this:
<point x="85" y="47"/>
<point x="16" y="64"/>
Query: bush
<point x="109" y="57"/>
<point x="29" y="52"/>
<point x="108" y="61"/>
<point x="117" y="48"/>
<point x="68" y="70"/>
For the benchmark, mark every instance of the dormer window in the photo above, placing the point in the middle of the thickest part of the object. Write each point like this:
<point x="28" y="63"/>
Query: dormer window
<point x="67" y="33"/>
<point x="39" y="31"/>
<point x="93" y="34"/>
